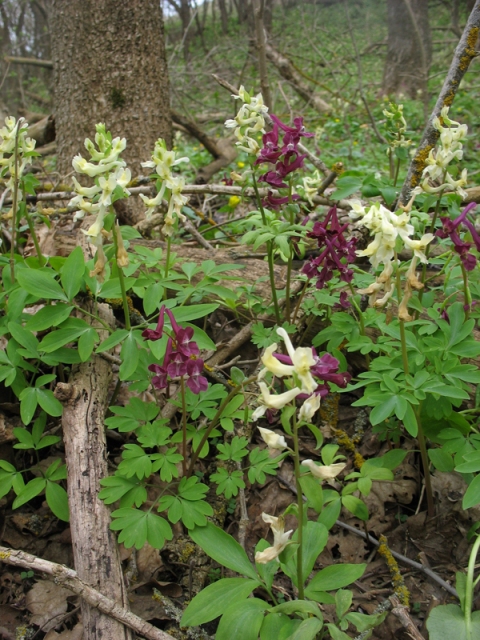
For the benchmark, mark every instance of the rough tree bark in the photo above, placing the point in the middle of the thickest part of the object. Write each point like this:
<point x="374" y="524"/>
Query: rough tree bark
<point x="109" y="66"/>
<point x="95" y="549"/>
<point x="409" y="52"/>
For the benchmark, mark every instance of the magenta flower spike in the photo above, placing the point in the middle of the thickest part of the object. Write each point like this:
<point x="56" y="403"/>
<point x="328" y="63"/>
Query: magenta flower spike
<point x="157" y="333"/>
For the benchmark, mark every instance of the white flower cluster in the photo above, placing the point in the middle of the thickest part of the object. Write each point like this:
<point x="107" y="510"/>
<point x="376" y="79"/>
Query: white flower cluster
<point x="109" y="172"/>
<point x="387" y="227"/>
<point x="25" y="152"/>
<point x="163" y="161"/>
<point x="451" y="148"/>
<point x="249" y="120"/>
<point x="302" y="361"/>
<point x="311" y="185"/>
<point x="397" y="125"/>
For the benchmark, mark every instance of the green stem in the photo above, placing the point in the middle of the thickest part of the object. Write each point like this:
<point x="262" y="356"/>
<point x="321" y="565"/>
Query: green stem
<point x="215" y="421"/>
<point x="184" y="426"/>
<point x="397" y="171"/>
<point x="14" y="203"/>
<point x="296" y="461"/>
<point x="31" y="228"/>
<point x="426" y="466"/>
<point x="167" y="264"/>
<point x="466" y="291"/>
<point x="121" y="279"/>
<point x="469" y="588"/>
<point x="420" y="435"/>
<point x="360" y="320"/>
<point x="300" y="300"/>
<point x="269" y="244"/>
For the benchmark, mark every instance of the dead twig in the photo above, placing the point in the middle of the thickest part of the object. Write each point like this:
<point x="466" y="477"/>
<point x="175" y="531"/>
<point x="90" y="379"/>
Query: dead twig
<point x="69" y="578"/>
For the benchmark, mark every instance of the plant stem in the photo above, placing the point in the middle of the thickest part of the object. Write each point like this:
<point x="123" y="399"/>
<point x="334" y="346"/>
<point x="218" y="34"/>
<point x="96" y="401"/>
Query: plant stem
<point x="300" y="300"/>
<point x="31" y="228"/>
<point x="469" y="589"/>
<point x="121" y="279"/>
<point x="269" y="244"/>
<point x="360" y="320"/>
<point x="214" y="422"/>
<point x="420" y="435"/>
<point x="184" y="426"/>
<point x="296" y="461"/>
<point x="466" y="292"/>
<point x="167" y="264"/>
<point x="14" y="203"/>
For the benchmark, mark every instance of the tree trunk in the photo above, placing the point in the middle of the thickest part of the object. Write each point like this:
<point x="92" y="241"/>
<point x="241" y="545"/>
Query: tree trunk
<point x="109" y="66"/>
<point x="223" y="15"/>
<point x="409" y="51"/>
<point x="95" y="549"/>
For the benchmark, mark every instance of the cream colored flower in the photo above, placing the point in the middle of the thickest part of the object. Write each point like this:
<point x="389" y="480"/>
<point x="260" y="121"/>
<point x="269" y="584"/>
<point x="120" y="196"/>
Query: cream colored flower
<point x="309" y="408"/>
<point x="326" y="472"/>
<point x="272" y="439"/>
<point x="273" y="401"/>
<point x="303" y="360"/>
<point x="281" y="539"/>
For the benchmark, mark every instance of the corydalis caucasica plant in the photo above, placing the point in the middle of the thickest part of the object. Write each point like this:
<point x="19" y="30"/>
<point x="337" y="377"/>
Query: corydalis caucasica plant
<point x="388" y="227"/>
<point x="249" y="120"/>
<point x="435" y="177"/>
<point x="15" y="134"/>
<point x="170" y="186"/>
<point x="110" y="176"/>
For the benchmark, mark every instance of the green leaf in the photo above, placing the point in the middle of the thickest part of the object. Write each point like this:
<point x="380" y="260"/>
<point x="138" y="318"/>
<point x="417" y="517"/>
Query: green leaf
<point x="112" y="340"/>
<point x="298" y="606"/>
<point x="242" y="620"/>
<point x="138" y="527"/>
<point x="49" y="403"/>
<point x="193" y="312"/>
<point x="448" y="621"/>
<point x="307" y="630"/>
<point x="277" y="626"/>
<point x="57" y="500"/>
<point x="61" y="337"/>
<point x="130" y="355"/>
<point x="383" y="410"/>
<point x="86" y="342"/>
<point x="355" y="506"/>
<point x="224" y="549"/>
<point x="410" y="421"/>
<point x="213" y="601"/>
<point x="441" y="460"/>
<point x="24" y="337"/>
<point x="330" y="513"/>
<point x="72" y="273"/>
<point x="30" y="491"/>
<point x="41" y="284"/>
<point x="472" y="494"/>
<point x="336" y="576"/>
<point x="315" y="536"/>
<point x="28" y="404"/>
<point x="312" y="489"/>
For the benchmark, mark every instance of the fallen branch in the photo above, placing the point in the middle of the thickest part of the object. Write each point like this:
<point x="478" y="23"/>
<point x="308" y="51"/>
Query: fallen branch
<point x="69" y="578"/>
<point x="464" y="54"/>
<point x="291" y="75"/>
<point x="36" y="62"/>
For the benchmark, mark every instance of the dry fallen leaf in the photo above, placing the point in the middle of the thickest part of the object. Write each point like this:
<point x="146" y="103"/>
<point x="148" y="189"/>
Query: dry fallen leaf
<point x="47" y="600"/>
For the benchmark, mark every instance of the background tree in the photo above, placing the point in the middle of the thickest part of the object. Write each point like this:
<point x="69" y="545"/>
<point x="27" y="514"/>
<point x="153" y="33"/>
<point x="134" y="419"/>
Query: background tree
<point x="109" y="66"/>
<point x="409" y="51"/>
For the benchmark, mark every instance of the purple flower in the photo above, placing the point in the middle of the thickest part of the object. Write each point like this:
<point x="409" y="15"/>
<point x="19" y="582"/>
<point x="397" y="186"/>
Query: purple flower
<point x="286" y="158"/>
<point x="271" y="202"/>
<point x="185" y="344"/>
<point x="196" y="382"/>
<point x="156" y="334"/>
<point x="450" y="230"/>
<point x="343" y="303"/>
<point x="330" y="238"/>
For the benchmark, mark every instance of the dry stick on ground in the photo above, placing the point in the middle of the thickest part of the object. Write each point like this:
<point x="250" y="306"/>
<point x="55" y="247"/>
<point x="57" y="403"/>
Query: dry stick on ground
<point x="291" y="75"/>
<point x="401" y="613"/>
<point x="95" y="548"/>
<point x="69" y="579"/>
<point x="258" y="11"/>
<point x="398" y="556"/>
<point x="464" y="54"/>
